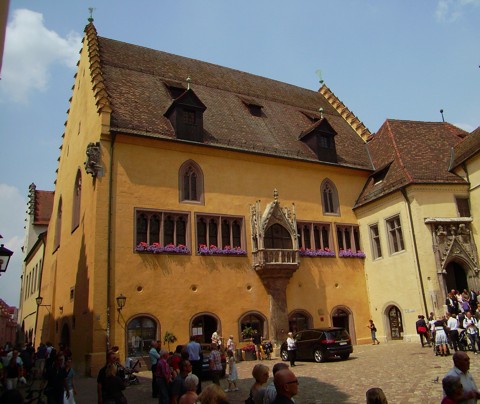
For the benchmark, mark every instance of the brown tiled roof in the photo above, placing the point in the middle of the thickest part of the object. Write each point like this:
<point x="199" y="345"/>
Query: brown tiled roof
<point x="40" y="205"/>
<point x="418" y="153"/>
<point x="469" y="146"/>
<point x="135" y="81"/>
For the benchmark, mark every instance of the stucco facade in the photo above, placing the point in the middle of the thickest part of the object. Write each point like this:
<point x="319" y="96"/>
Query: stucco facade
<point x="109" y="180"/>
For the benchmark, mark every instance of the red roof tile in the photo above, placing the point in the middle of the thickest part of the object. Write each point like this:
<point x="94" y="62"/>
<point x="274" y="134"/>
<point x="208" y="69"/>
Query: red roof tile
<point x="468" y="147"/>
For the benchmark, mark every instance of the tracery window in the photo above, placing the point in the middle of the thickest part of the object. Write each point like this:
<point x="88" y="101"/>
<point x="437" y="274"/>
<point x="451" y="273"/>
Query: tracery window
<point x="329" y="195"/>
<point x="77" y="194"/>
<point x="190" y="180"/>
<point x="58" y="225"/>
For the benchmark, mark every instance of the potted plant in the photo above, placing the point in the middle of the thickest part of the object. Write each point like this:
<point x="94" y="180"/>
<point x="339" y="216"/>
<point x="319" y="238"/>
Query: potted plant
<point x="169" y="338"/>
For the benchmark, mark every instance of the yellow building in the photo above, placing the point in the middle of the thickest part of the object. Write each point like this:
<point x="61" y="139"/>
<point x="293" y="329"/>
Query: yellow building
<point x="192" y="198"/>
<point x="416" y="225"/>
<point x="36" y="223"/>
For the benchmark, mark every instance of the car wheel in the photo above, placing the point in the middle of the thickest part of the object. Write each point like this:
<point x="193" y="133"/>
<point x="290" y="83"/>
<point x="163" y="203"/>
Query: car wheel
<point x="284" y="355"/>
<point x="319" y="356"/>
<point x="344" y="357"/>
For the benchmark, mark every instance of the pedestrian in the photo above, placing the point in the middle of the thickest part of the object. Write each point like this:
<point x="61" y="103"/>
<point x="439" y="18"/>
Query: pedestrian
<point x="178" y="387"/>
<point x="164" y="377"/>
<point x="453" y="389"/>
<point x="55" y="387"/>
<point x="270" y="391"/>
<point x="461" y="362"/>
<point x="194" y="350"/>
<point x="109" y="383"/>
<point x="190" y="397"/>
<point x="291" y="349"/>
<point x="215" y="363"/>
<point x="70" y="390"/>
<point x="154" y="357"/>
<point x="230" y="344"/>
<point x="257" y="341"/>
<point x="286" y="384"/>
<point x="375" y="395"/>
<point x="452" y="325"/>
<point x="212" y="394"/>
<point x="257" y="391"/>
<point x="373" y="332"/>
<point x="232" y="372"/>
<point x="470" y="324"/>
<point x="216" y="338"/>
<point x="13" y="372"/>
<point x="40" y="357"/>
<point x="422" y="330"/>
<point x="441" y="337"/>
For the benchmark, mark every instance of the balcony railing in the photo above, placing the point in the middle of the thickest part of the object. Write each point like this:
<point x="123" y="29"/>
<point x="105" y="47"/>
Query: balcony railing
<point x="261" y="258"/>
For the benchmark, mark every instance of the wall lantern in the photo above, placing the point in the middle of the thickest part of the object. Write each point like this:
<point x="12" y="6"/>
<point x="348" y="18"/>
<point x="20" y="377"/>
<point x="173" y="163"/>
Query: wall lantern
<point x="121" y="300"/>
<point x="5" y="255"/>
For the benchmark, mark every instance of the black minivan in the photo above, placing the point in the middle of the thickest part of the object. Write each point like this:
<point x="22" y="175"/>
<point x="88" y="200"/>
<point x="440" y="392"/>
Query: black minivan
<point x="320" y="344"/>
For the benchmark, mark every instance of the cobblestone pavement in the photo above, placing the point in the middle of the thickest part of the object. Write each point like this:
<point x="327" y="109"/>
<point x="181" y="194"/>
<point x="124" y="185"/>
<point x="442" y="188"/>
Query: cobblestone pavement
<point x="406" y="372"/>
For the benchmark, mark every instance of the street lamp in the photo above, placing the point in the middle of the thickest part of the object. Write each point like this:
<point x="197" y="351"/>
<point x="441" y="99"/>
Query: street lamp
<point x="39" y="301"/>
<point x="5" y="255"/>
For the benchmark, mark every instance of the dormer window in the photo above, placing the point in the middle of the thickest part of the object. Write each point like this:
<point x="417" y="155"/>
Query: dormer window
<point x="320" y="138"/>
<point x="186" y="116"/>
<point x="254" y="107"/>
<point x="379" y="175"/>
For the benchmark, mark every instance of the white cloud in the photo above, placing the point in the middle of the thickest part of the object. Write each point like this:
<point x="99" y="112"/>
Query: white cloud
<point x="12" y="221"/>
<point x="452" y="10"/>
<point x="30" y="52"/>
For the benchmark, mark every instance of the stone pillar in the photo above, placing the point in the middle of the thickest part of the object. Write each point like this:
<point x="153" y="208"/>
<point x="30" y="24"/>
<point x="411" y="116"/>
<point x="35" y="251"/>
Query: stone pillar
<point x="278" y="326"/>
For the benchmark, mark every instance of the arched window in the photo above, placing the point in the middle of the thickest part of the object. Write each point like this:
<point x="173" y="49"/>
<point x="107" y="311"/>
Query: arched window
<point x="329" y="194"/>
<point x="190" y="182"/>
<point x="77" y="193"/>
<point x="141" y="331"/>
<point x="299" y="320"/>
<point x="58" y="225"/>
<point x="203" y="326"/>
<point x="254" y="320"/>
<point x="277" y="236"/>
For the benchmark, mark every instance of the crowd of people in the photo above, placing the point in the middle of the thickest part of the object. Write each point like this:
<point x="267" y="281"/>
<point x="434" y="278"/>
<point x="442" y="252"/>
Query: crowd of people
<point x="458" y="329"/>
<point x="52" y="367"/>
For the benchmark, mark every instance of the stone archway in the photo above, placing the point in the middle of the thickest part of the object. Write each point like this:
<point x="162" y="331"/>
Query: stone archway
<point x="456" y="277"/>
<point x="342" y="317"/>
<point x="395" y="322"/>
<point x="203" y="325"/>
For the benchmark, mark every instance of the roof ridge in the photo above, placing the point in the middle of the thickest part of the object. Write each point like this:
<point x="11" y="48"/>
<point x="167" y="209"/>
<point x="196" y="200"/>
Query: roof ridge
<point x="98" y="84"/>
<point x="356" y="124"/>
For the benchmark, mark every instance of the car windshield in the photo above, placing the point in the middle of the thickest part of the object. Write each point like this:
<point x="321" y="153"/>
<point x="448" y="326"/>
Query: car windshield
<point x="337" y="334"/>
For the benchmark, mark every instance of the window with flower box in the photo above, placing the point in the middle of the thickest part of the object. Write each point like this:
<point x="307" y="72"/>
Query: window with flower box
<point x="348" y="240"/>
<point x="161" y="232"/>
<point x="220" y="235"/>
<point x="314" y="239"/>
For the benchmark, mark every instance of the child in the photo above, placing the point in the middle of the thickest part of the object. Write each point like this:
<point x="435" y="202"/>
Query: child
<point x="373" y="331"/>
<point x="232" y="372"/>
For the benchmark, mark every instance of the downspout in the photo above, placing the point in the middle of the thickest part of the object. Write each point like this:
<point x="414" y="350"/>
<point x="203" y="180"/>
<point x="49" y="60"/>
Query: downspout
<point x="109" y="239"/>
<point x="39" y="290"/>
<point x="404" y="193"/>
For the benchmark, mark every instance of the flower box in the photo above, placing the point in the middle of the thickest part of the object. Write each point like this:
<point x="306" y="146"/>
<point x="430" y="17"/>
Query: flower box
<point x="351" y="254"/>
<point x="156" y="248"/>
<point x="214" y="250"/>
<point x="322" y="252"/>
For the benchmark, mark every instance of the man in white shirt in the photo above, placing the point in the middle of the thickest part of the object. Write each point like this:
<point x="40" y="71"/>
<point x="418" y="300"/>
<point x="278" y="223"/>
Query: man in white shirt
<point x="452" y="325"/>
<point x="461" y="366"/>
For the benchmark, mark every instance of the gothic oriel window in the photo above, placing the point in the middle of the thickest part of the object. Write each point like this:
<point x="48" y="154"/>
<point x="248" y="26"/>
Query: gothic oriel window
<point x="277" y="237"/>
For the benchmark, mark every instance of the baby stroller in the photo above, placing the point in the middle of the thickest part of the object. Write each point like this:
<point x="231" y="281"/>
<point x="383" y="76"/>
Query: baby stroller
<point x="267" y="349"/>
<point x="127" y="373"/>
<point x="463" y="341"/>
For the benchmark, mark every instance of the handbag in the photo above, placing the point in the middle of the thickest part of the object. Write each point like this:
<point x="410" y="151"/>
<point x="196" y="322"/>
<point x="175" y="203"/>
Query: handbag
<point x="421" y="329"/>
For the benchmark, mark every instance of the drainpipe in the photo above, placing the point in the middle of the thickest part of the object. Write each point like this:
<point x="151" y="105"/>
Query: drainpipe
<point x="109" y="239"/>
<point x="404" y="193"/>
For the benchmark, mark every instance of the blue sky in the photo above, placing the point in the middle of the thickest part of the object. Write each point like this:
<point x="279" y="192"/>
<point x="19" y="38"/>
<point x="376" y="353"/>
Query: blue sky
<point x="399" y="59"/>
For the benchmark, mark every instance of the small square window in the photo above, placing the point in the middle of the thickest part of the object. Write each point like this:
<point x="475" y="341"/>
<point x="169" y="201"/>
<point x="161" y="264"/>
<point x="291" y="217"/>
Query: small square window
<point x="189" y="117"/>
<point x="463" y="207"/>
